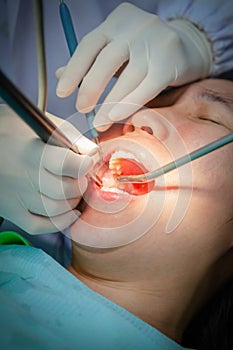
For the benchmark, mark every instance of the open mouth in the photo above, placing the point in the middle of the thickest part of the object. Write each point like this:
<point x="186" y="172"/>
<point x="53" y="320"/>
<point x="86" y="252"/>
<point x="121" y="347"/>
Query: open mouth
<point x="122" y="163"/>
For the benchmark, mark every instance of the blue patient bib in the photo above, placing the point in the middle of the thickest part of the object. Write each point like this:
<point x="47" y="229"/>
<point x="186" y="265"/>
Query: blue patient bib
<point x="43" y="306"/>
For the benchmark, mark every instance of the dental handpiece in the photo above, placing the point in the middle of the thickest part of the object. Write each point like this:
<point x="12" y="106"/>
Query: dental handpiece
<point x="200" y="152"/>
<point x="32" y="115"/>
<point x="35" y="118"/>
<point x="72" y="43"/>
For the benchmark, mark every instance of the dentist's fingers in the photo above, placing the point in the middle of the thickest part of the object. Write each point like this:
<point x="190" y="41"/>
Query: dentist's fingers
<point x="130" y="78"/>
<point x="59" y="72"/>
<point x="58" y="187"/>
<point x="146" y="91"/>
<point x="69" y="164"/>
<point x="36" y="224"/>
<point x="83" y="57"/>
<point x="40" y="204"/>
<point x="96" y="80"/>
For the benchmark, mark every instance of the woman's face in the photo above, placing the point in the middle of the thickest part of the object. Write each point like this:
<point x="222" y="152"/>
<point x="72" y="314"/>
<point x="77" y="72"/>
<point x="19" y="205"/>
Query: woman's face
<point x="189" y="206"/>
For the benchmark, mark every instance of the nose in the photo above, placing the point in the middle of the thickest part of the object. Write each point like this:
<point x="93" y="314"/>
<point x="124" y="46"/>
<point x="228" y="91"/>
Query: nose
<point x="150" y="121"/>
<point x="164" y="124"/>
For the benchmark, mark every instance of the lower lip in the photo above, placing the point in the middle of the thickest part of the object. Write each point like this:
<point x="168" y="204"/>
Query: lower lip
<point x="111" y="196"/>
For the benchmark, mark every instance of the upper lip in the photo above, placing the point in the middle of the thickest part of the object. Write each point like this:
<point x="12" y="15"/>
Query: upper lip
<point x="141" y="153"/>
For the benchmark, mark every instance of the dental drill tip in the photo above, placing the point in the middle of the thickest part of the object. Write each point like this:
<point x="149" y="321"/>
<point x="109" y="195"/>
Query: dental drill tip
<point x="89" y="118"/>
<point x="96" y="139"/>
<point x="97" y="180"/>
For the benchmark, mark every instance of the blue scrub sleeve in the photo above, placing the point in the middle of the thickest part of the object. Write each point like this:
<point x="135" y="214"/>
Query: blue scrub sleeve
<point x="43" y="306"/>
<point x="56" y="244"/>
<point x="215" y="18"/>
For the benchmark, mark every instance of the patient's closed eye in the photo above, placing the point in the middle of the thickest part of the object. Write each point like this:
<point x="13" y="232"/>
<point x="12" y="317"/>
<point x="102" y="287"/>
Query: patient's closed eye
<point x="209" y="119"/>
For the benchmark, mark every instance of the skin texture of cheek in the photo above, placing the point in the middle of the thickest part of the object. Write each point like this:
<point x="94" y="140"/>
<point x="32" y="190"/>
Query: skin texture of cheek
<point x="213" y="172"/>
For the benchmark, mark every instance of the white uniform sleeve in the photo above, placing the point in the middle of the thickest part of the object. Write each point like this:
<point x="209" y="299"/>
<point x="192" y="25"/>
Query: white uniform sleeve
<point x="214" y="17"/>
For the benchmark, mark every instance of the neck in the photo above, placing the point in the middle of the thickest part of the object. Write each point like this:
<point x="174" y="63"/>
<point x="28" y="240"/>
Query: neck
<point x="165" y="293"/>
<point x="166" y="309"/>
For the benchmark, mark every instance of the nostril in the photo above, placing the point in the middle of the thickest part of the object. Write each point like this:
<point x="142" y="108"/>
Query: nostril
<point x="151" y="123"/>
<point x="147" y="129"/>
<point x="128" y="128"/>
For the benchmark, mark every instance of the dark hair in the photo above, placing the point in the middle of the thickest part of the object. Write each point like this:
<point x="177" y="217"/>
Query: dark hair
<point x="227" y="75"/>
<point x="212" y="327"/>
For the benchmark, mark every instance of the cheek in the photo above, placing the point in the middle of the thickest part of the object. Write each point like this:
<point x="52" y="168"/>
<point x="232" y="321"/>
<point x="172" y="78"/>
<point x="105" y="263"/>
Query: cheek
<point x="215" y="170"/>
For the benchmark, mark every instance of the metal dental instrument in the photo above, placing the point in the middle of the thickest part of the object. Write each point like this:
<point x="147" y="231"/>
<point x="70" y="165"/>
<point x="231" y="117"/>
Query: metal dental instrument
<point x="32" y="115"/>
<point x="35" y="118"/>
<point x="40" y="53"/>
<point x="72" y="44"/>
<point x="200" y="152"/>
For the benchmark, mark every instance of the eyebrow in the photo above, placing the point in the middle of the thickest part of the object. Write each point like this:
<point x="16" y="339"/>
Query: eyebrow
<point x="226" y="102"/>
<point x="213" y="96"/>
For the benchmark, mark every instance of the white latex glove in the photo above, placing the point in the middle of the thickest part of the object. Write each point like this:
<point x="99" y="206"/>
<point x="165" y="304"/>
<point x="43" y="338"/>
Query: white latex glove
<point x="159" y="54"/>
<point x="40" y="184"/>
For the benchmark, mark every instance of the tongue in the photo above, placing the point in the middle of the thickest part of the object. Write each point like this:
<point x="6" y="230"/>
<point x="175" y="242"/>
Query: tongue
<point x="132" y="167"/>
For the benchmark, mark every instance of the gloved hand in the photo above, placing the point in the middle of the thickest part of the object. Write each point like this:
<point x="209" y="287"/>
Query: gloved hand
<point x="159" y="54"/>
<point x="40" y="185"/>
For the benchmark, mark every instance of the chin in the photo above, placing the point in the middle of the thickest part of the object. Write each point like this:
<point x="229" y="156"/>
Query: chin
<point x="111" y="220"/>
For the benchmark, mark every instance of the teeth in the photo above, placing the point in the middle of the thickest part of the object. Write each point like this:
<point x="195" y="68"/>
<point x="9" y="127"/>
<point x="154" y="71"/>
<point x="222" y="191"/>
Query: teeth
<point x="115" y="169"/>
<point x="114" y="166"/>
<point x="122" y="154"/>
<point x="112" y="189"/>
<point x="114" y="163"/>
